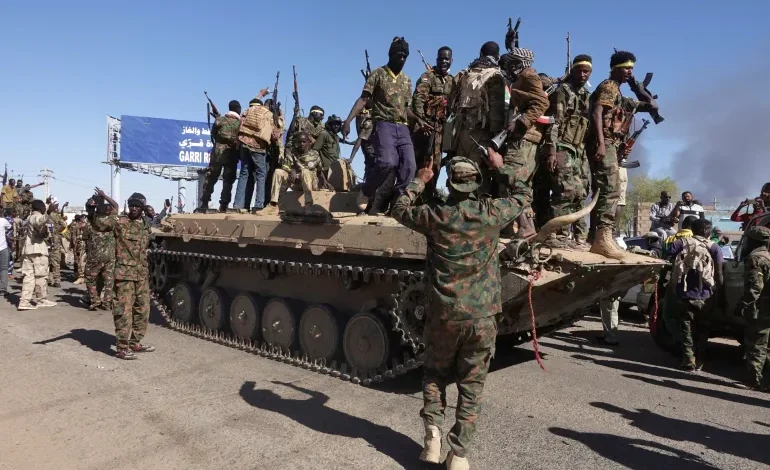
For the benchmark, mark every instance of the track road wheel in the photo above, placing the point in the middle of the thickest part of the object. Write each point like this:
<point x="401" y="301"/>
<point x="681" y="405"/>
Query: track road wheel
<point x="245" y="317"/>
<point x="214" y="308"/>
<point x="278" y="324"/>
<point x="365" y="342"/>
<point x="184" y="302"/>
<point x="318" y="332"/>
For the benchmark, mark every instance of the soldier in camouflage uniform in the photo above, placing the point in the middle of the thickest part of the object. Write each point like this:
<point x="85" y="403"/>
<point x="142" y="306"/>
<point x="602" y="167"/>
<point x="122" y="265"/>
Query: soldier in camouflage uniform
<point x="131" y="309"/>
<point x="611" y="116"/>
<point x="275" y="150"/>
<point x="313" y="126"/>
<point x="54" y="256"/>
<point x="390" y="90"/>
<point x="224" y="158"/>
<point x="524" y="134"/>
<point x="564" y="146"/>
<point x="430" y="103"/>
<point x="25" y="198"/>
<point x="463" y="293"/>
<point x="100" y="257"/>
<point x="327" y="145"/>
<point x="754" y="306"/>
<point x="304" y="161"/>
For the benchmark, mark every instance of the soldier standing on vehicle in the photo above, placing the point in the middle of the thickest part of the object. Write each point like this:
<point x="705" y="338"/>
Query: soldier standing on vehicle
<point x="34" y="259"/>
<point x="754" y="306"/>
<point x="255" y="134"/>
<point x="131" y="309"/>
<point x="564" y="144"/>
<point x="464" y="294"/>
<point x="327" y="144"/>
<point x="224" y="158"/>
<point x="430" y="103"/>
<point x="698" y="276"/>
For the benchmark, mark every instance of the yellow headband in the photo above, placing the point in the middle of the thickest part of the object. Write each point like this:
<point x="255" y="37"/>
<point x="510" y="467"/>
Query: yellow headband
<point x="628" y="63"/>
<point x="583" y="62"/>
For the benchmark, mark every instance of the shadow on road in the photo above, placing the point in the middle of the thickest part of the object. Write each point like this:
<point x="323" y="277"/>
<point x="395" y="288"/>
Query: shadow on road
<point x="314" y="414"/>
<point x="71" y="300"/>
<point x="733" y="397"/>
<point x="94" y="340"/>
<point x="636" y="454"/>
<point x="740" y="444"/>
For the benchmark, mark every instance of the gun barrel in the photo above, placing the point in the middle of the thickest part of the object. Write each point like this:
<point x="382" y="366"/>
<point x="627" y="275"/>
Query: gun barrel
<point x="518" y="23"/>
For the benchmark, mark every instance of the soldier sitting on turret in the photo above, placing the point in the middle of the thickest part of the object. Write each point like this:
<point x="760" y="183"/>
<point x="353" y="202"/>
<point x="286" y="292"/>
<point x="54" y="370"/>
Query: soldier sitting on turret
<point x="300" y="164"/>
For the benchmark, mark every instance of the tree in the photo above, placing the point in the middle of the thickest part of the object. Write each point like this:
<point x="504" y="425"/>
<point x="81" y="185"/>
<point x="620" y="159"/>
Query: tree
<point x="642" y="188"/>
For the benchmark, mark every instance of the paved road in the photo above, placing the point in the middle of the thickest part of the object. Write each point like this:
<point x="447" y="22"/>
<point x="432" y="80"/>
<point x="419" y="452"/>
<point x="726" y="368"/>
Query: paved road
<point x="66" y="403"/>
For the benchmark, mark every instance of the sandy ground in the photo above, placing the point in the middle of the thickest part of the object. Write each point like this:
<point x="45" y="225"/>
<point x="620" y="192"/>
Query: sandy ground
<point x="67" y="403"/>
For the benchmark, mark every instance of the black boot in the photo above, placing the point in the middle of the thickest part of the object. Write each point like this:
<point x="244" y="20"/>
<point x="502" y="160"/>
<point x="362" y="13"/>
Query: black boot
<point x="383" y="195"/>
<point x="203" y="208"/>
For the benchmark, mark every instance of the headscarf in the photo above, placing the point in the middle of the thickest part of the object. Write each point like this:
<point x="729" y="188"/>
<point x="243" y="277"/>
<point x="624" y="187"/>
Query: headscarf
<point x="399" y="44"/>
<point x="523" y="57"/>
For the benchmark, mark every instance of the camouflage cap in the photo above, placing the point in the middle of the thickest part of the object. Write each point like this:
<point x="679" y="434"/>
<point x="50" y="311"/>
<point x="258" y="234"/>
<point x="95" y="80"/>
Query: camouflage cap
<point x="463" y="175"/>
<point x="760" y="234"/>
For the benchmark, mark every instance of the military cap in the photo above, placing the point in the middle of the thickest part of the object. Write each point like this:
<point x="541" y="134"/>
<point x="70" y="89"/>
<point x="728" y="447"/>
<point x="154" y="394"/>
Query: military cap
<point x="137" y="199"/>
<point x="463" y="175"/>
<point x="334" y="118"/>
<point x="760" y="234"/>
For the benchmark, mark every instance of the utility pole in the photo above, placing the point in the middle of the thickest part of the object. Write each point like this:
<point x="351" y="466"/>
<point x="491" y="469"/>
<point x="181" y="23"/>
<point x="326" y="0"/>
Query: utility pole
<point x="46" y="174"/>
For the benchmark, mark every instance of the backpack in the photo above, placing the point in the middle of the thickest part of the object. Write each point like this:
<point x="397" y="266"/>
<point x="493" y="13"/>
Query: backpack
<point x="472" y="100"/>
<point x="695" y="256"/>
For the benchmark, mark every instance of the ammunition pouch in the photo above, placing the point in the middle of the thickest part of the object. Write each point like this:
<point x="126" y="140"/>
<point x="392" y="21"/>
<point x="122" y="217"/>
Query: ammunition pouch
<point x="574" y="130"/>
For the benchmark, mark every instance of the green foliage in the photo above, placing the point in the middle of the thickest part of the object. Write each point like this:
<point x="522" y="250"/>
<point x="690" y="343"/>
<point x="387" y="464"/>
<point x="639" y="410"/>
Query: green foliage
<point x="642" y="188"/>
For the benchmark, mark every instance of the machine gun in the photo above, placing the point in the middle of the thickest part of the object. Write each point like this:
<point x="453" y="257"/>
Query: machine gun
<point x="512" y="35"/>
<point x="639" y="88"/>
<point x="368" y="67"/>
<point x="499" y="140"/>
<point x="629" y="144"/>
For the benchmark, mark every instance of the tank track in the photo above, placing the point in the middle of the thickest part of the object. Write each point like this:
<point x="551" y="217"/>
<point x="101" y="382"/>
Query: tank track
<point x="412" y="357"/>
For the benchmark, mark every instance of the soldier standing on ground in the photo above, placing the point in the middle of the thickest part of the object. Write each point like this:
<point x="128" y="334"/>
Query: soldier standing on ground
<point x="34" y="259"/>
<point x="524" y="134"/>
<point x="100" y="260"/>
<point x="478" y="105"/>
<point x="74" y="236"/>
<point x="430" y="103"/>
<point x="131" y="309"/>
<point x="54" y="256"/>
<point x="610" y="121"/>
<point x="464" y="294"/>
<point x="565" y="147"/>
<point x="224" y="158"/>
<point x="754" y="306"/>
<point x="391" y="92"/>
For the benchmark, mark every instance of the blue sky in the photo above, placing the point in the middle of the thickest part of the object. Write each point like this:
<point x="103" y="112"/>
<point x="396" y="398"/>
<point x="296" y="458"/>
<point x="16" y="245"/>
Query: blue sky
<point x="69" y="64"/>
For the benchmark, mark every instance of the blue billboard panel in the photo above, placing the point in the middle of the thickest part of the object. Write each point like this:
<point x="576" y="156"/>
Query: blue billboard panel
<point x="164" y="141"/>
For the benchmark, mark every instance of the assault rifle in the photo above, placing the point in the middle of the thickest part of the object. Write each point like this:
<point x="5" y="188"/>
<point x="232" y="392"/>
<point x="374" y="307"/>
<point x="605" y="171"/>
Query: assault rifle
<point x="629" y="144"/>
<point x="295" y="94"/>
<point x="368" y="67"/>
<point x="276" y="105"/>
<point x="213" y="111"/>
<point x="499" y="140"/>
<point x="512" y="36"/>
<point x="638" y="87"/>
<point x="427" y="67"/>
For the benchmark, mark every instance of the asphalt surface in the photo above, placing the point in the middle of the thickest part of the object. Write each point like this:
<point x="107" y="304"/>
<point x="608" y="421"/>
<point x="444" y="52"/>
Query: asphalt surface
<point x="67" y="403"/>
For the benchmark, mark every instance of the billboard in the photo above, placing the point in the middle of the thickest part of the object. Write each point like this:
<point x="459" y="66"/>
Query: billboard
<point x="157" y="141"/>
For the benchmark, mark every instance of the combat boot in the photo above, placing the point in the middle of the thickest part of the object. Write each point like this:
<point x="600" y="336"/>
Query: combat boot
<point x="223" y="208"/>
<point x="604" y="244"/>
<point x="269" y="210"/>
<point x="431" y="453"/>
<point x="204" y="207"/>
<point x="383" y="195"/>
<point x="454" y="462"/>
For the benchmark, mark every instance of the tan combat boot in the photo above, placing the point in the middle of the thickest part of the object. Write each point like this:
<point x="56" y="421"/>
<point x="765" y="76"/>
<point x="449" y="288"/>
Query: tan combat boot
<point x="79" y="280"/>
<point x="604" y="244"/>
<point x="431" y="453"/>
<point x="454" y="462"/>
<point x="269" y="210"/>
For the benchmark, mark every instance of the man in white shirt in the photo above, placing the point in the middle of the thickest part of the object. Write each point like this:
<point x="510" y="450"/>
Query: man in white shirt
<point x="688" y="203"/>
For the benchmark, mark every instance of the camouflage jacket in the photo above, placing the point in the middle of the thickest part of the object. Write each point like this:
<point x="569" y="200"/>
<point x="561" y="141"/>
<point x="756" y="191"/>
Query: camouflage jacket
<point x="58" y="226"/>
<point x="391" y="95"/>
<point x="310" y="160"/>
<point x="429" y="101"/>
<point x="224" y="132"/>
<point x="132" y="238"/>
<point x="26" y="197"/>
<point x="75" y="236"/>
<point x="328" y="147"/>
<point x="569" y="108"/>
<point x="755" y="302"/>
<point x="462" y="261"/>
<point x="100" y="246"/>
<point x="617" y="113"/>
<point x="483" y="104"/>
<point x="303" y="124"/>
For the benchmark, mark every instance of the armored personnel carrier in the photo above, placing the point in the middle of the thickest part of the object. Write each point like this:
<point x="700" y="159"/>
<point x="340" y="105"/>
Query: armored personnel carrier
<point x="342" y="293"/>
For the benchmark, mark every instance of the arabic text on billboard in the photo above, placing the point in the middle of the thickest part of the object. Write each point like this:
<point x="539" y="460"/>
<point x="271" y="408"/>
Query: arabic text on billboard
<point x="164" y="141"/>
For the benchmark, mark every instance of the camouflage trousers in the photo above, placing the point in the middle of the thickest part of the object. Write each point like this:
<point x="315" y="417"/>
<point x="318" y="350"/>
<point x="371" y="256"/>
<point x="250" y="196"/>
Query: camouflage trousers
<point x="757" y="338"/>
<point x="280" y="183"/>
<point x="605" y="180"/>
<point x="131" y="312"/>
<point x="694" y="323"/>
<point x="458" y="351"/>
<point x="522" y="157"/>
<point x="104" y="271"/>
<point x="427" y="144"/>
<point x="54" y="259"/>
<point x="225" y="165"/>
<point x="569" y="189"/>
<point x="466" y="147"/>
